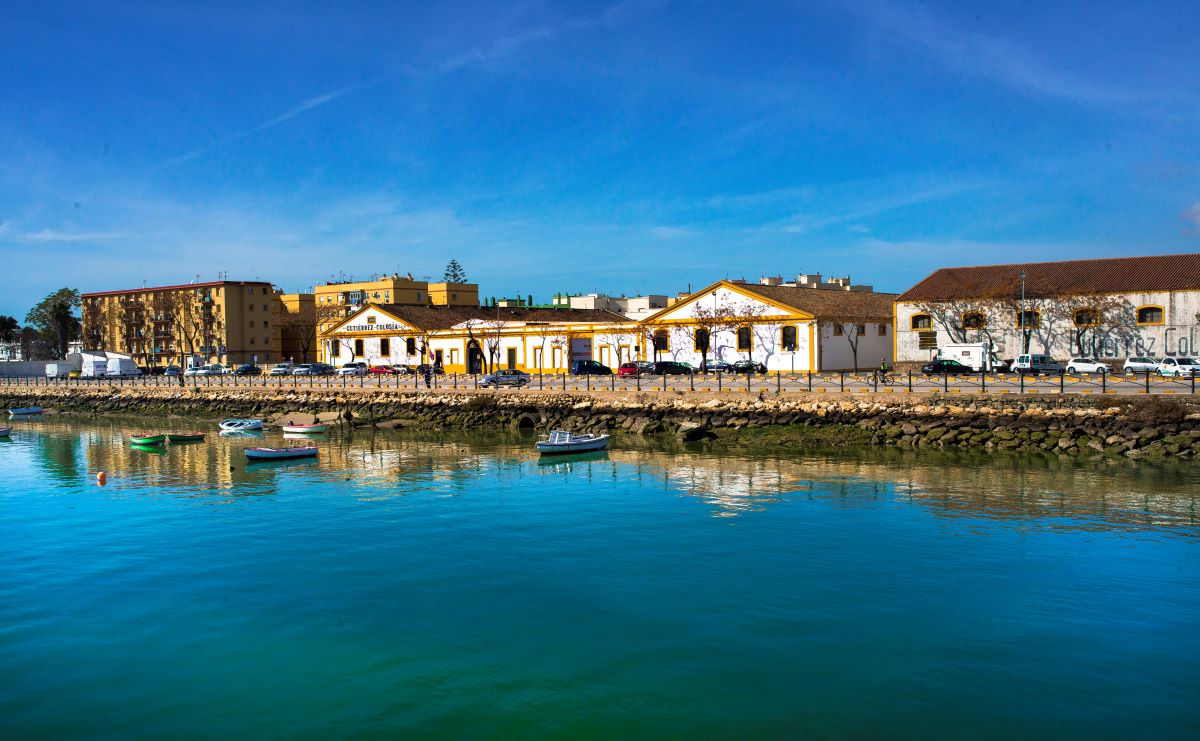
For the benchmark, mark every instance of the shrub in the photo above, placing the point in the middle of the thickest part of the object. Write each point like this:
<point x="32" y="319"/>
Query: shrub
<point x="1157" y="410"/>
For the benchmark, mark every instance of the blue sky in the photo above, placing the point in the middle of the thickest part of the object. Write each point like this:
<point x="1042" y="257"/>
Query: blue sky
<point x="636" y="146"/>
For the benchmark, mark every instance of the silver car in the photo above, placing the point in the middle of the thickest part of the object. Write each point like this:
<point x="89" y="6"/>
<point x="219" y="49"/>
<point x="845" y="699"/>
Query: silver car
<point x="506" y="377"/>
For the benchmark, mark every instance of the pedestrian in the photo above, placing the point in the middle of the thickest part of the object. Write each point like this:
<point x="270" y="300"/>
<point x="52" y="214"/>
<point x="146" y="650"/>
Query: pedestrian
<point x="428" y="375"/>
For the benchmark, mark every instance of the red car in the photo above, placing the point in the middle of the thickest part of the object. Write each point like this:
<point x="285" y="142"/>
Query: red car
<point x="381" y="370"/>
<point x="638" y="368"/>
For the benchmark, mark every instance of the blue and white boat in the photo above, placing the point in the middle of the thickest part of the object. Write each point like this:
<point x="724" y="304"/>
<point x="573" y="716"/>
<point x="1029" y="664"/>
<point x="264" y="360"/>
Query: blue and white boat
<point x="241" y="425"/>
<point x="4" y="431"/>
<point x="22" y="411"/>
<point x="561" y="441"/>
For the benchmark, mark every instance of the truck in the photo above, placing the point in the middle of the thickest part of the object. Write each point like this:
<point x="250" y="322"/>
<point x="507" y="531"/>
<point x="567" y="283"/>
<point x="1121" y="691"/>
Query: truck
<point x="59" y="369"/>
<point x="978" y="356"/>
<point x="94" y="367"/>
<point x="122" y="368"/>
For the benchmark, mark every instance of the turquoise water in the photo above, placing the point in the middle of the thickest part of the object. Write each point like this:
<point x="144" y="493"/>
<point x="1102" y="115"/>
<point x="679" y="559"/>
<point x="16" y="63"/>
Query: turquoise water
<point x="452" y="586"/>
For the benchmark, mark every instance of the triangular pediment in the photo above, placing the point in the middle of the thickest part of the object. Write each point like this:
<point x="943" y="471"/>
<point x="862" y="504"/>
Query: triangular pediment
<point x="725" y="296"/>
<point x="372" y="318"/>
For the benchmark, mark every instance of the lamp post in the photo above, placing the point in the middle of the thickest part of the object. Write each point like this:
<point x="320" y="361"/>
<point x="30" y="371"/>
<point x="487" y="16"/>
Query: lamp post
<point x="1024" y="332"/>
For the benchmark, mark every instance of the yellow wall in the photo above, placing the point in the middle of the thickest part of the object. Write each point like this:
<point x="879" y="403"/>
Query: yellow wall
<point x="454" y="294"/>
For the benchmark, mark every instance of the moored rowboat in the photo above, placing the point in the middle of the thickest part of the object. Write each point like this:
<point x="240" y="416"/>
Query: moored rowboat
<point x="303" y="451"/>
<point x="241" y="425"/>
<point x="4" y="431"/>
<point x="25" y="410"/>
<point x="185" y="437"/>
<point x="143" y="439"/>
<point x="305" y="429"/>
<point x="569" y="442"/>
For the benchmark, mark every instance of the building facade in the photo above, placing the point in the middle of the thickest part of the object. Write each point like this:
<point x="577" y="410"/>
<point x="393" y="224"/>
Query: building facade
<point x="1111" y="308"/>
<point x="478" y="339"/>
<point x="228" y="322"/>
<point x="793" y="328"/>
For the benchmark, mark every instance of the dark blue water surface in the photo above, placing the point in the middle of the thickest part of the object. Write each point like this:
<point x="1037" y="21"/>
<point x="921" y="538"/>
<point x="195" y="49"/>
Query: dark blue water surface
<point x="454" y="586"/>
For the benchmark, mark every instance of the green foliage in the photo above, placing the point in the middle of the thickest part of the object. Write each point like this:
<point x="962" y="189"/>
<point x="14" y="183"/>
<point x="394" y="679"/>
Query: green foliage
<point x="10" y="329"/>
<point x="54" y="319"/>
<point x="454" y="272"/>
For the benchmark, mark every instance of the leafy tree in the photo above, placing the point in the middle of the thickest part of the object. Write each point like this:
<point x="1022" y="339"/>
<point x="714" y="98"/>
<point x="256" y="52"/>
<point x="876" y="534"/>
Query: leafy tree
<point x="454" y="272"/>
<point x="54" y="318"/>
<point x="10" y="329"/>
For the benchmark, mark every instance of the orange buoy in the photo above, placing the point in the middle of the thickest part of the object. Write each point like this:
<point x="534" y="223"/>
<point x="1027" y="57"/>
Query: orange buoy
<point x="102" y="478"/>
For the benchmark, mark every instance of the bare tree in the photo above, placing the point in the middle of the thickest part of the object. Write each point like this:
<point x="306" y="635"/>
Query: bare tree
<point x="851" y="321"/>
<point x="546" y="333"/>
<point x="302" y="326"/>
<point x="706" y="323"/>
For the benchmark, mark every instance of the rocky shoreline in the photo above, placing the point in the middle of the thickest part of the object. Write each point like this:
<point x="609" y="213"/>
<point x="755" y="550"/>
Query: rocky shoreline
<point x="1146" y="426"/>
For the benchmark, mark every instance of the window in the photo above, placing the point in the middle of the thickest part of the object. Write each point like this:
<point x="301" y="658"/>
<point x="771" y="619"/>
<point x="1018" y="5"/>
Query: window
<point x="251" y="340"/>
<point x="385" y="347"/>
<point x="701" y="343"/>
<point x="1087" y="318"/>
<point x="370" y="320"/>
<point x="882" y="330"/>
<point x="1150" y="315"/>
<point x="744" y="342"/>
<point x="787" y="338"/>
<point x="251" y="307"/>
<point x="921" y="321"/>
<point x="266" y="324"/>
<point x="1031" y="320"/>
<point x="974" y="320"/>
<point x="410" y="346"/>
<point x="860" y="329"/>
<point x="662" y="342"/>
<point x="358" y="348"/>
<point x="251" y="324"/>
<point x="838" y="331"/>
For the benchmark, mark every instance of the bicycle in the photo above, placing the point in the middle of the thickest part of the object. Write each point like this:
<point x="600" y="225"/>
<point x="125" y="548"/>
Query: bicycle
<point x="884" y="378"/>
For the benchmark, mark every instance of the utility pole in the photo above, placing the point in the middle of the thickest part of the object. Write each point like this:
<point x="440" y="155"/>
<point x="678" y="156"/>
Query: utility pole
<point x="1024" y="331"/>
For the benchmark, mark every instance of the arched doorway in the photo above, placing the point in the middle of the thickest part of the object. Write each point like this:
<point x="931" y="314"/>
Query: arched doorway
<point x="474" y="357"/>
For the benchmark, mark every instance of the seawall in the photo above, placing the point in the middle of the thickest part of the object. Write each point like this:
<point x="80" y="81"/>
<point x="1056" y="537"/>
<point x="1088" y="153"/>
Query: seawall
<point x="1128" y="426"/>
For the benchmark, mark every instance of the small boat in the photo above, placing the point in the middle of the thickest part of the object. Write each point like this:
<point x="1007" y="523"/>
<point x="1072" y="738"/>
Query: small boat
<point x="241" y="425"/>
<point x="568" y="442"/>
<point x="4" y="431"/>
<point x="305" y="429"/>
<point x="143" y="439"/>
<point x="185" y="437"/>
<point x="24" y="410"/>
<point x="264" y="454"/>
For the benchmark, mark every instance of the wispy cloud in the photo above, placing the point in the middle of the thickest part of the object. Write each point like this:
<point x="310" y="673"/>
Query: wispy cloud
<point x="979" y="54"/>
<point x="54" y="235"/>
<point x="1191" y="215"/>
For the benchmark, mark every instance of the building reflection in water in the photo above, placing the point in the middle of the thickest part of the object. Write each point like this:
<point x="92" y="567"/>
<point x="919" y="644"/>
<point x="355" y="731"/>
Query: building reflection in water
<point x="1051" y="492"/>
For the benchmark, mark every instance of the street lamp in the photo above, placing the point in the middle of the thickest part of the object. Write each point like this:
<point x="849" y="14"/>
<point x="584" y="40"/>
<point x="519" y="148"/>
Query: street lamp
<point x="1024" y="331"/>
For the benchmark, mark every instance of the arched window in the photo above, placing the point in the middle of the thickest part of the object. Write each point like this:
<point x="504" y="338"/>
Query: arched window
<point x="662" y="342"/>
<point x="1087" y="318"/>
<point x="744" y="342"/>
<point x="974" y="320"/>
<point x="701" y="340"/>
<point x="922" y="321"/>
<point x="1150" y="315"/>
<point x="1031" y="320"/>
<point x="787" y="339"/>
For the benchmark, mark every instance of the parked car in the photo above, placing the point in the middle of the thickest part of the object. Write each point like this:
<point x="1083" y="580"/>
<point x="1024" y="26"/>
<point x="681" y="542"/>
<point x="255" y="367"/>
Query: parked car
<point x="506" y="377"/>
<point x="715" y="366"/>
<point x="74" y="374"/>
<point x="212" y="369"/>
<point x="173" y="371"/>
<point x="945" y="367"/>
<point x="436" y="369"/>
<point x="1036" y="364"/>
<point x="358" y="368"/>
<point x="283" y="369"/>
<point x="635" y="368"/>
<point x="1087" y="365"/>
<point x="313" y="369"/>
<point x="381" y="370"/>
<point x="672" y="368"/>
<point x="1140" y="364"/>
<point x="1178" y="367"/>
<point x="590" y="368"/>
<point x="247" y="369"/>
<point x="748" y="366"/>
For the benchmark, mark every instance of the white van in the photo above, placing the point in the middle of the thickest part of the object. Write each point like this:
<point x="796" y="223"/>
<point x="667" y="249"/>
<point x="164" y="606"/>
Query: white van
<point x="59" y="370"/>
<point x="977" y="356"/>
<point x="94" y="367"/>
<point x="123" y="368"/>
<point x="1036" y="364"/>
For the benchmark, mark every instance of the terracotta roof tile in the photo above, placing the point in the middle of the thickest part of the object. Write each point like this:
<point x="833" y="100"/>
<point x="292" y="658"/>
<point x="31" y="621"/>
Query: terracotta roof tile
<point x="823" y="302"/>
<point x="1105" y="275"/>
<point x="445" y="317"/>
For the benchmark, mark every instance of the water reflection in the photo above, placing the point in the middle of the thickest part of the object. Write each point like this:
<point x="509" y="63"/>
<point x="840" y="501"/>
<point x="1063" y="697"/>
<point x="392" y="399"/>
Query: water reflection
<point x="1051" y="492"/>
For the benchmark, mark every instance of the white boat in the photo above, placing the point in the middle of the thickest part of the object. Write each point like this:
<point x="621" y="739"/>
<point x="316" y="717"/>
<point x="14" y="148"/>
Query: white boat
<point x="568" y="442"/>
<point x="4" y="431"/>
<point x="305" y="429"/>
<point x="25" y="410"/>
<point x="301" y="451"/>
<point x="241" y="425"/>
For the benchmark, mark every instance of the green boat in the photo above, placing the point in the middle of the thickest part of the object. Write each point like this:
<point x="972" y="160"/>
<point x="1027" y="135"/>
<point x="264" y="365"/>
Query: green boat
<point x="185" y="437"/>
<point x="147" y="439"/>
<point x="156" y="449"/>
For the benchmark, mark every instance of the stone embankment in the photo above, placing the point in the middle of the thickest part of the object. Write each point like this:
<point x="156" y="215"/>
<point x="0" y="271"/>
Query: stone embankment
<point x="1134" y="427"/>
